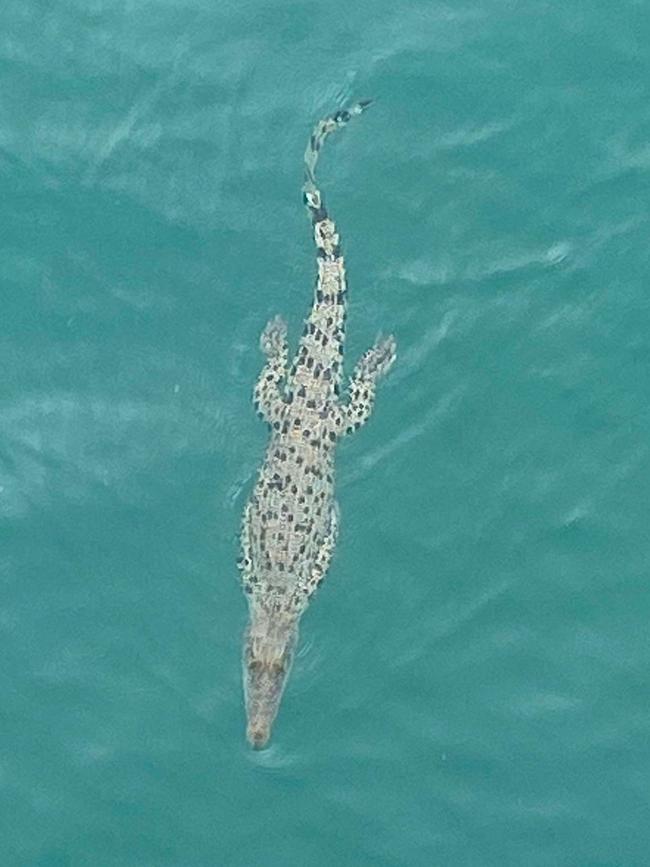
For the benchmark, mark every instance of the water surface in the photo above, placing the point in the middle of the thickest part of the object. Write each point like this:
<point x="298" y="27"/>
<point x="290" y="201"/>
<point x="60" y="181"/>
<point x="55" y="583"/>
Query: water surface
<point x="471" y="686"/>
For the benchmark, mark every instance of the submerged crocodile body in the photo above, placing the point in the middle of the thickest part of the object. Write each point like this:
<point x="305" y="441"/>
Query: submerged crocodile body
<point x="290" y="521"/>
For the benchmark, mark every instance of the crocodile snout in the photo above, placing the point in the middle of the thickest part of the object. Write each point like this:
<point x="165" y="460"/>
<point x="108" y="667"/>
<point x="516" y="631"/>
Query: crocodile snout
<point x="258" y="736"/>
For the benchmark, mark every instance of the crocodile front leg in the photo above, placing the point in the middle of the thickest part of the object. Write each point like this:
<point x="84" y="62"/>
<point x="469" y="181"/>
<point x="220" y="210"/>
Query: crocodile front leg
<point x="372" y="365"/>
<point x="321" y="564"/>
<point x="268" y="396"/>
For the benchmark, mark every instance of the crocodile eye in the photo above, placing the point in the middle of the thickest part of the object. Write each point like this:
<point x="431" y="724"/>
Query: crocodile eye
<point x="254" y="665"/>
<point x="278" y="668"/>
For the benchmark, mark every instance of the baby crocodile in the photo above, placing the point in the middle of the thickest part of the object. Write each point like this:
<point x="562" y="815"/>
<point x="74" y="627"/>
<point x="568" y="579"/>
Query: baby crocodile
<point x="290" y="522"/>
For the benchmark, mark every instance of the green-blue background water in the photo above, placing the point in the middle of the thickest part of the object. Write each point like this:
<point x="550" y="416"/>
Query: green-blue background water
<point x="472" y="683"/>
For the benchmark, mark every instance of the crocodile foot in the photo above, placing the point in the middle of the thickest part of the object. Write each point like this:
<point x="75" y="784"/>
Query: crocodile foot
<point x="274" y="337"/>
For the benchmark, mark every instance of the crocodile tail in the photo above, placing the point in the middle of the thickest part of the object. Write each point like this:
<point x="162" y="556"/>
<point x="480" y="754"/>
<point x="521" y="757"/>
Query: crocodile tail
<point x="311" y="194"/>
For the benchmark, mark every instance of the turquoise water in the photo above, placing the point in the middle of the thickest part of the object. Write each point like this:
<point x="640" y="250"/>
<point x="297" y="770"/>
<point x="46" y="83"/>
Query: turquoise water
<point x="472" y="682"/>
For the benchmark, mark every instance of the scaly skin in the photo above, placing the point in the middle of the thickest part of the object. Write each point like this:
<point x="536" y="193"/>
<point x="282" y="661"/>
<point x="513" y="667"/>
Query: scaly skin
<point x="290" y="522"/>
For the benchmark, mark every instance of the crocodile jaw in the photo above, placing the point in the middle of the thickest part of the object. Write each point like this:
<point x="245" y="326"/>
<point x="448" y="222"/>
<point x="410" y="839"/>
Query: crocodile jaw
<point x="268" y="654"/>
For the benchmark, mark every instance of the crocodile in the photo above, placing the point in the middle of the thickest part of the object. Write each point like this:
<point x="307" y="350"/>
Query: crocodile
<point x="290" y="522"/>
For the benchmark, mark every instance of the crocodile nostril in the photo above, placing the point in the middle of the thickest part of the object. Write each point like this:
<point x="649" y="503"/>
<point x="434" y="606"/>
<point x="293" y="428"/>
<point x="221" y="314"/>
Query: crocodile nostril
<point x="258" y="737"/>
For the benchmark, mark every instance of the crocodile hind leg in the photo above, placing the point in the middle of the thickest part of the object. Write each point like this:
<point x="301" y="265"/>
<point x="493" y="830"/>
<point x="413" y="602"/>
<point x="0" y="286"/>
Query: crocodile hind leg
<point x="268" y="395"/>
<point x="372" y="365"/>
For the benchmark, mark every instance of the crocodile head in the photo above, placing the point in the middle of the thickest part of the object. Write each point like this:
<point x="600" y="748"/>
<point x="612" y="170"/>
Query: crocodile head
<point x="268" y="654"/>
